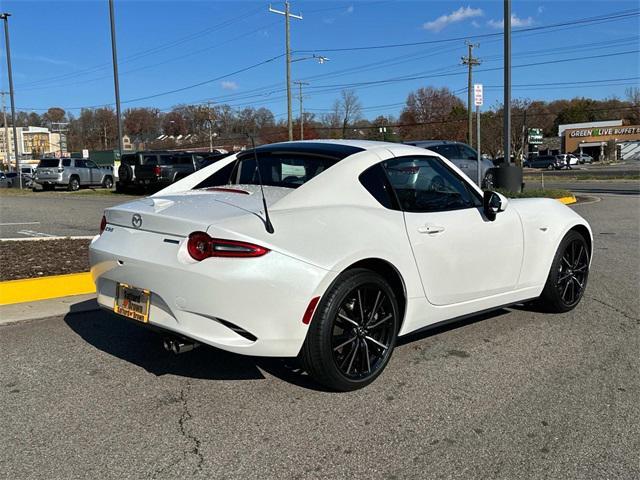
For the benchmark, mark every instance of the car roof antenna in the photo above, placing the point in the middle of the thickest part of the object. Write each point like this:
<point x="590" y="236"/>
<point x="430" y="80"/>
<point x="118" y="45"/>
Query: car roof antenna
<point x="267" y="221"/>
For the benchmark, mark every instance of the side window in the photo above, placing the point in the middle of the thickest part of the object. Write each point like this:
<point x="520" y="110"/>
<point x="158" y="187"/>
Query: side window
<point x="91" y="164"/>
<point x="425" y="184"/>
<point x="168" y="160"/>
<point x="468" y="153"/>
<point x="149" y="160"/>
<point x="66" y="162"/>
<point x="80" y="163"/>
<point x="377" y="184"/>
<point x="447" y="151"/>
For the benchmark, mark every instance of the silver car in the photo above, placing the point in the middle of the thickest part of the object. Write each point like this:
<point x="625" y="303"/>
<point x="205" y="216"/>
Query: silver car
<point x="72" y="173"/>
<point x="464" y="157"/>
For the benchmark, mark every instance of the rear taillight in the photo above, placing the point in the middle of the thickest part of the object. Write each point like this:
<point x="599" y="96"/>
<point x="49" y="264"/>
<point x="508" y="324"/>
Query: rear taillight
<point x="103" y="224"/>
<point x="157" y="171"/>
<point x="200" y="246"/>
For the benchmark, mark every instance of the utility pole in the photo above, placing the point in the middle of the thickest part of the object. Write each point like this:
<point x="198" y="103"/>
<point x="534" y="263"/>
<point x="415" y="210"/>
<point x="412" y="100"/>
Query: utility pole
<point x="507" y="83"/>
<point x="6" y="128"/>
<point x="287" y="14"/>
<point x="300" y="84"/>
<point x="210" y="121"/>
<point x="116" y="82"/>
<point x="5" y="17"/>
<point x="471" y="62"/>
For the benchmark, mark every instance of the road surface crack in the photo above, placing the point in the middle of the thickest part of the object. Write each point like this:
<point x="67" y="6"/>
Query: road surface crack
<point x="194" y="442"/>
<point x="616" y="309"/>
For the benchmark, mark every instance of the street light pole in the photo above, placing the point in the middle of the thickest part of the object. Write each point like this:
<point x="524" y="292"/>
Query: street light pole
<point x="116" y="82"/>
<point x="5" y="17"/>
<point x="287" y="14"/>
<point x="507" y="83"/>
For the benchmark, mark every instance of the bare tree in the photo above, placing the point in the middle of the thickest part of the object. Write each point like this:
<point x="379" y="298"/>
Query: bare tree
<point x="349" y="109"/>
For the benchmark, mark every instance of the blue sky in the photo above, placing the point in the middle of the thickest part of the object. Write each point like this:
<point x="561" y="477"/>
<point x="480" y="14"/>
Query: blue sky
<point x="61" y="51"/>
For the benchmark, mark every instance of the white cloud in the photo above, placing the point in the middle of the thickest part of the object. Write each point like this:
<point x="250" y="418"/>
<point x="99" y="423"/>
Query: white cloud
<point x="350" y="9"/>
<point x="515" y="22"/>
<point x="456" y="16"/>
<point x="540" y="9"/>
<point x="475" y="24"/>
<point x="226" y="85"/>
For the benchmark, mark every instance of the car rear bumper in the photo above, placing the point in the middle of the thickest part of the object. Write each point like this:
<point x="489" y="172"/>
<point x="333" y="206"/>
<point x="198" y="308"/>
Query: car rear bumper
<point x="251" y="306"/>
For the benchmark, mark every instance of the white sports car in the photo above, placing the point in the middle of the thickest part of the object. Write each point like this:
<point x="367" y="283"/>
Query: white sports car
<point x="330" y="250"/>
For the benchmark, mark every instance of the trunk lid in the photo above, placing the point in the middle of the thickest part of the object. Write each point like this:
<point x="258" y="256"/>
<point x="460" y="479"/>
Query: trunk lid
<point x="195" y="210"/>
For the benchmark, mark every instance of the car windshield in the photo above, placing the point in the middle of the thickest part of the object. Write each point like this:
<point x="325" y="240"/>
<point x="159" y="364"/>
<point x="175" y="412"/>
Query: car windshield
<point x="48" y="163"/>
<point x="277" y="169"/>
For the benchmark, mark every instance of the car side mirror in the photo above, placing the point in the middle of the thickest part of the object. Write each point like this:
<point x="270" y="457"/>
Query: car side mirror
<point x="494" y="203"/>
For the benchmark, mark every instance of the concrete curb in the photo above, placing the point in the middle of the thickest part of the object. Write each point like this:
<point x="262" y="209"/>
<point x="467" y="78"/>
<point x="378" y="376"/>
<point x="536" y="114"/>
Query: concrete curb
<point x="567" y="200"/>
<point x="20" y="312"/>
<point x="45" y="288"/>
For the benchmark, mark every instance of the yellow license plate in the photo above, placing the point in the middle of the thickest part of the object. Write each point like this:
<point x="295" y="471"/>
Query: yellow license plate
<point x="132" y="302"/>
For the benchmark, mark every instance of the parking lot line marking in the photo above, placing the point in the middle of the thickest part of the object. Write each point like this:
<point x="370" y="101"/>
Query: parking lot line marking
<point x="50" y="237"/>
<point x="31" y="233"/>
<point x="18" y="223"/>
<point x="44" y="288"/>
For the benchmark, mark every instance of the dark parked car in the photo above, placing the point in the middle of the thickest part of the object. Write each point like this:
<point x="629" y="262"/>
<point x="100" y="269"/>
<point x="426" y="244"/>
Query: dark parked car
<point x="462" y="156"/>
<point x="550" y="162"/>
<point x="159" y="169"/>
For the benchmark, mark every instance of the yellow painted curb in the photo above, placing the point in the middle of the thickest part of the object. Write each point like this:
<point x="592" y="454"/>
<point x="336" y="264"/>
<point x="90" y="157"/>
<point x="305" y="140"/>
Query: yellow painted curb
<point x="44" y="288"/>
<point x="567" y="200"/>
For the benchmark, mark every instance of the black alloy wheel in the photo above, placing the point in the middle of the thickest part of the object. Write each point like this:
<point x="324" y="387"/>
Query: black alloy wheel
<point x="488" y="182"/>
<point x="569" y="273"/>
<point x="363" y="331"/>
<point x="353" y="332"/>
<point x="74" y="184"/>
<point x="572" y="272"/>
<point x="107" y="183"/>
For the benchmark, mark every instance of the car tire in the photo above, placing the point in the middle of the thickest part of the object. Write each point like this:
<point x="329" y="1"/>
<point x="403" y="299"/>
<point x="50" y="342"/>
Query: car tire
<point x="550" y="167"/>
<point x="568" y="275"/>
<point x="108" y="183"/>
<point x="74" y="184"/>
<point x="489" y="181"/>
<point x="353" y="331"/>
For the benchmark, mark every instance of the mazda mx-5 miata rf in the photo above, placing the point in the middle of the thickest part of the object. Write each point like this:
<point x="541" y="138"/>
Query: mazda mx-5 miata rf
<point x="331" y="250"/>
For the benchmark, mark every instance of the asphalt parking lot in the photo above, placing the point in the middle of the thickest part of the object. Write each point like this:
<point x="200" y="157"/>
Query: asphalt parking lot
<point x="53" y="213"/>
<point x="515" y="394"/>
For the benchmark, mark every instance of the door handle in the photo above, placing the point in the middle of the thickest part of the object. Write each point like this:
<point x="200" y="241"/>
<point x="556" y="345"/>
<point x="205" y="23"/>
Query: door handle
<point x="430" y="229"/>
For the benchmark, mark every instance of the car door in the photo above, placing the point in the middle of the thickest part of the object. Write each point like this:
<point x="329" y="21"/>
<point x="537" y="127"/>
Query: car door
<point x="94" y="172"/>
<point x="470" y="156"/>
<point x="82" y="171"/>
<point x="460" y="254"/>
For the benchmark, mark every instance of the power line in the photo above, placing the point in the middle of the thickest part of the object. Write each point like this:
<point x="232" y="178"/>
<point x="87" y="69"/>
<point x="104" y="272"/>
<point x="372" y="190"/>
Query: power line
<point x="598" y="19"/>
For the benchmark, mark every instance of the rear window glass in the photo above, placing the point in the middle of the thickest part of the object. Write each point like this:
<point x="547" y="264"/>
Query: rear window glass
<point x="48" y="163"/>
<point x="129" y="159"/>
<point x="66" y="162"/>
<point x="277" y="169"/>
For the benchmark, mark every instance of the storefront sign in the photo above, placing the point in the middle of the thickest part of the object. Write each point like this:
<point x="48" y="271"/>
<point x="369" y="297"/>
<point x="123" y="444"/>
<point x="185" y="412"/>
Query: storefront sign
<point x="600" y="132"/>
<point x="535" y="136"/>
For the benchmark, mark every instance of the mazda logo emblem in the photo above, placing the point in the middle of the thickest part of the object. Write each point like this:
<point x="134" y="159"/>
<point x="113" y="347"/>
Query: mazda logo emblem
<point x="136" y="221"/>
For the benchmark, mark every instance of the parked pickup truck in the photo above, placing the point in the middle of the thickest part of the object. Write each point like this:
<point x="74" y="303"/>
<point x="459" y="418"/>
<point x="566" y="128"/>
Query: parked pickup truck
<point x="164" y="169"/>
<point x="72" y="173"/>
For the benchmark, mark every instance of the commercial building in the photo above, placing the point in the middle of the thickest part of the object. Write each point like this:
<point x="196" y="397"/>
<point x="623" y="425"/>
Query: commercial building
<point x="33" y="143"/>
<point x="603" y="142"/>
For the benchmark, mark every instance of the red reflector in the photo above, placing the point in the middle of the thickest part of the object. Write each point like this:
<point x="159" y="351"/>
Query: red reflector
<point x="308" y="314"/>
<point x="157" y="171"/>
<point x="103" y="224"/>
